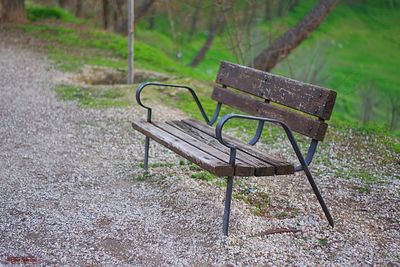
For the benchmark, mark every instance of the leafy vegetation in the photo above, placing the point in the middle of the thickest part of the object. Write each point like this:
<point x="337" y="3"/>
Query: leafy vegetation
<point x="355" y="60"/>
<point x="39" y="13"/>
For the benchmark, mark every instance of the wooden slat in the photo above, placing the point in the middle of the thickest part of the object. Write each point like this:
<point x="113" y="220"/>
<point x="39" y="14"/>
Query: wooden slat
<point x="262" y="168"/>
<point x="282" y="167"/>
<point x="304" y="125"/>
<point x="305" y="97"/>
<point x="241" y="168"/>
<point x="185" y="150"/>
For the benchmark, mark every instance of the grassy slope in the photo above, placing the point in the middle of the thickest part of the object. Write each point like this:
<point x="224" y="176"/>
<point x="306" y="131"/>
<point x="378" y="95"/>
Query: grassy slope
<point x="360" y="44"/>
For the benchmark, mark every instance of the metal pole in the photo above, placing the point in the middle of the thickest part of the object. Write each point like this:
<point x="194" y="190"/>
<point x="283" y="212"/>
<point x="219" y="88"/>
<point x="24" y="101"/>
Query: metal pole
<point x="228" y="197"/>
<point x="146" y="153"/>
<point x="228" y="200"/>
<point x="131" y="40"/>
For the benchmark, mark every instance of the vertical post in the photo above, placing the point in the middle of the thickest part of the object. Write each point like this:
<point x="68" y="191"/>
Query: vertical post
<point x="228" y="200"/>
<point x="146" y="153"/>
<point x="131" y="40"/>
<point x="228" y="196"/>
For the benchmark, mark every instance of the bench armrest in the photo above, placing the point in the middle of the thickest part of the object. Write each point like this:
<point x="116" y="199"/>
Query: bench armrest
<point x="192" y="92"/>
<point x="261" y="120"/>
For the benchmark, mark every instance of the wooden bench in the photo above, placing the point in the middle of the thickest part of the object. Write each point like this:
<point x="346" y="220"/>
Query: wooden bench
<point x="269" y="98"/>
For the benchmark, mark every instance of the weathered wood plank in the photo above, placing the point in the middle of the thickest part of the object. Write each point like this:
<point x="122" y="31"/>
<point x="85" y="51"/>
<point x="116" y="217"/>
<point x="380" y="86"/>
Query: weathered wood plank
<point x="282" y="167"/>
<point x="307" y="98"/>
<point x="312" y="128"/>
<point x="241" y="168"/>
<point x="185" y="150"/>
<point x="262" y="168"/>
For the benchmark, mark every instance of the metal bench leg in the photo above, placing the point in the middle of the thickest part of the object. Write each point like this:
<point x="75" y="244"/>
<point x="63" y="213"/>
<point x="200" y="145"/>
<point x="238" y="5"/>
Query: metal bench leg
<point x="146" y="153"/>
<point x="318" y="195"/>
<point x="228" y="199"/>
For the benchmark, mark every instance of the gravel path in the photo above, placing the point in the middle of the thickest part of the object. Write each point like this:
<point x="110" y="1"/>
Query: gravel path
<point x="72" y="194"/>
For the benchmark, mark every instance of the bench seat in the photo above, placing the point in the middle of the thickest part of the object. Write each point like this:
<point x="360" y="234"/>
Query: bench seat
<point x="196" y="142"/>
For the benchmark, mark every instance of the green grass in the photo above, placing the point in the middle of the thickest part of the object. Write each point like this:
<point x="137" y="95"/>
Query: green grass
<point x="166" y="164"/>
<point x="258" y="200"/>
<point x="72" y="47"/>
<point x="144" y="177"/>
<point x="39" y="13"/>
<point x="362" y="174"/>
<point x="322" y="241"/>
<point x="70" y="60"/>
<point x="396" y="147"/>
<point x="359" y="44"/>
<point x="366" y="189"/>
<point x="92" y="98"/>
<point x="203" y="175"/>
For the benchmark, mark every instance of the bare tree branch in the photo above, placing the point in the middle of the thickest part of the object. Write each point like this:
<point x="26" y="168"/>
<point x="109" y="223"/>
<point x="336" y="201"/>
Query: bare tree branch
<point x="283" y="45"/>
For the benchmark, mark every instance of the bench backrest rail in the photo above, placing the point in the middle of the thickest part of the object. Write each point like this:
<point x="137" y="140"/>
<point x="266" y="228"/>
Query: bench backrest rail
<point x="303" y="107"/>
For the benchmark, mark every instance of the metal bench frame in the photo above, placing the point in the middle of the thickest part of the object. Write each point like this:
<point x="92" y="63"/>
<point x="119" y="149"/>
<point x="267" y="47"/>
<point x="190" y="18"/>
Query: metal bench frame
<point x="304" y="162"/>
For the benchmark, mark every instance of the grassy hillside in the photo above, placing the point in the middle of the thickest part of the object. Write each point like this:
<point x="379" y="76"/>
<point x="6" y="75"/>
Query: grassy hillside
<point x="361" y="47"/>
<point x="355" y="52"/>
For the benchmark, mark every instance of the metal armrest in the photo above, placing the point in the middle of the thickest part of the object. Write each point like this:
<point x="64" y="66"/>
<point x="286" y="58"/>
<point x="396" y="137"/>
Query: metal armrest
<point x="261" y="120"/>
<point x="310" y="153"/>
<point x="192" y="92"/>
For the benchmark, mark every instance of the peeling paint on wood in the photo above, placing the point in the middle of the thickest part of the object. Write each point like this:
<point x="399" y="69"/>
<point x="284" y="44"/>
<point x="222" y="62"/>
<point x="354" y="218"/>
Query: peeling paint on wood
<point x="305" y="125"/>
<point x="308" y="98"/>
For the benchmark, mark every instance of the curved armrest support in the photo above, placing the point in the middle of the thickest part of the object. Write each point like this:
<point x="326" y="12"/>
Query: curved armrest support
<point x="258" y="133"/>
<point x="310" y="155"/>
<point x="192" y="92"/>
<point x="289" y="134"/>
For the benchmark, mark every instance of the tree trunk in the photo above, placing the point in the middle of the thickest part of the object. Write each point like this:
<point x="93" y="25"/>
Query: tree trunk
<point x="131" y="41"/>
<point x="144" y="8"/>
<point x="251" y="18"/>
<point x="293" y="4"/>
<point x="395" y="112"/>
<point x="62" y="3"/>
<point x="13" y="11"/>
<point x="120" y="23"/>
<point x="281" y="47"/>
<point x="281" y="8"/>
<point x="214" y="27"/>
<point x="204" y="49"/>
<point x="151" y="21"/>
<point x="269" y="4"/>
<point x="195" y="16"/>
<point x="78" y="8"/>
<point x="105" y="14"/>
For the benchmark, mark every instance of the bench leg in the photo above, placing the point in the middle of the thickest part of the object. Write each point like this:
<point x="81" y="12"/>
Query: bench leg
<point x="146" y="153"/>
<point x="228" y="199"/>
<point x="318" y="195"/>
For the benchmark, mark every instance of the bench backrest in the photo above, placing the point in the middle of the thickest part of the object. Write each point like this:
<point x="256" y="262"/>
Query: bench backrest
<point x="303" y="107"/>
